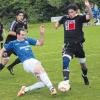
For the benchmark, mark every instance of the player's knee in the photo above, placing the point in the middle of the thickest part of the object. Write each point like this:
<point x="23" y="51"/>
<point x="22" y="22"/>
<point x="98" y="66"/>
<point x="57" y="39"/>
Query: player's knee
<point x="39" y="69"/>
<point x="82" y="60"/>
<point x="66" y="60"/>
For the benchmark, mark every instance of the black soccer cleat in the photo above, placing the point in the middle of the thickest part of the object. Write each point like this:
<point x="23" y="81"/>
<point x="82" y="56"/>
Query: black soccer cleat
<point x="86" y="81"/>
<point x="10" y="70"/>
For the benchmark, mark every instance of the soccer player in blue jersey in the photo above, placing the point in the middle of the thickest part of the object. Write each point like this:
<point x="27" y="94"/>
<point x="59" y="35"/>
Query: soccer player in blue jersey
<point x="74" y="39"/>
<point x="22" y="48"/>
<point x="19" y="22"/>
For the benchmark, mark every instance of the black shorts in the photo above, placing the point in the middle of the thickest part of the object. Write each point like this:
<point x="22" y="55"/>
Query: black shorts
<point x="74" y="49"/>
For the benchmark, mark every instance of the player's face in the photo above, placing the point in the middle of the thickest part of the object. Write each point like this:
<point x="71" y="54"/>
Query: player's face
<point x="20" y="17"/>
<point x="22" y="35"/>
<point x="72" y="13"/>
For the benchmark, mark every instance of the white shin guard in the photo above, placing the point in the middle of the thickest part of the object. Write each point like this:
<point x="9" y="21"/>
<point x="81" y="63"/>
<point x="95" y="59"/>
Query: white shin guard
<point x="35" y="86"/>
<point x="45" y="79"/>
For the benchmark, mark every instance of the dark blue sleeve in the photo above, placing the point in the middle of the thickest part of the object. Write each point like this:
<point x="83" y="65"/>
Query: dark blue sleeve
<point x="8" y="46"/>
<point x="32" y="41"/>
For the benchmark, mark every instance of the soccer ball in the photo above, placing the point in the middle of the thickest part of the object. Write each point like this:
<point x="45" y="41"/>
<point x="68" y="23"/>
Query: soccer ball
<point x="64" y="86"/>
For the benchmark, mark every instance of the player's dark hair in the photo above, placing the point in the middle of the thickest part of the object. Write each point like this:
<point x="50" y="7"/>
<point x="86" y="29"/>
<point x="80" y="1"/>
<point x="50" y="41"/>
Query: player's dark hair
<point x="72" y="6"/>
<point x="18" y="12"/>
<point x="19" y="29"/>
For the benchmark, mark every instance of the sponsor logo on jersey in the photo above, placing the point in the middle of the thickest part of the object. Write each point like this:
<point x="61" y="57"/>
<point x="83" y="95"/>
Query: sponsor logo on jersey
<point x="24" y="47"/>
<point x="70" y="25"/>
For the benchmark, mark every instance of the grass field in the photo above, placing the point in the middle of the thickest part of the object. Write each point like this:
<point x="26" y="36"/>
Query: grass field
<point x="50" y="56"/>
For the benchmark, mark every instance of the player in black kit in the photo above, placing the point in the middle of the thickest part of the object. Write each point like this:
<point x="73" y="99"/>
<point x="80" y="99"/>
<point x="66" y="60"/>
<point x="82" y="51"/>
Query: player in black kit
<point x="17" y="61"/>
<point x="16" y="24"/>
<point x="74" y="38"/>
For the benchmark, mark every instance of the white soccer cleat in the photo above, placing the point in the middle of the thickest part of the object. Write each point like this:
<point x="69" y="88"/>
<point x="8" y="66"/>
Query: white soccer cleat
<point x="22" y="91"/>
<point x="53" y="91"/>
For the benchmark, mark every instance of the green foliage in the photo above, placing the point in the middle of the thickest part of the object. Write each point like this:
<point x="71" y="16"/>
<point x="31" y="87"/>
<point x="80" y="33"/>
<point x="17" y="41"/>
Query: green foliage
<point x="37" y="10"/>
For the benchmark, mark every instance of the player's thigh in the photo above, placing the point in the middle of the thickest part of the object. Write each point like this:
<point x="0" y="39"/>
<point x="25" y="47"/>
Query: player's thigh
<point x="67" y="51"/>
<point x="33" y="65"/>
<point x="39" y="69"/>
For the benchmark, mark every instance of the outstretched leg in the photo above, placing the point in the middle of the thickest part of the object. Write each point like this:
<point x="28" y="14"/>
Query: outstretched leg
<point x="35" y="67"/>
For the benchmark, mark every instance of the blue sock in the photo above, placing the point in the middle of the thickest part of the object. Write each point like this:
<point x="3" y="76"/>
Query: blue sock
<point x="66" y="61"/>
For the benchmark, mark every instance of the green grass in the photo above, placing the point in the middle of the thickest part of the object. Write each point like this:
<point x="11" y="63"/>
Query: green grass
<point x="50" y="56"/>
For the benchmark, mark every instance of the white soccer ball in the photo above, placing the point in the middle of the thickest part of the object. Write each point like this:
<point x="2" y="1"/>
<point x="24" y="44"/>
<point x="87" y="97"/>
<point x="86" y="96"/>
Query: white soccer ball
<point x="64" y="86"/>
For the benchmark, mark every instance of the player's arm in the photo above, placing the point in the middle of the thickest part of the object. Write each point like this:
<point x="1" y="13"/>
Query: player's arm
<point x="12" y="33"/>
<point x="89" y="14"/>
<point x="41" y="40"/>
<point x="1" y="54"/>
<point x="12" y="27"/>
<point x="56" y="25"/>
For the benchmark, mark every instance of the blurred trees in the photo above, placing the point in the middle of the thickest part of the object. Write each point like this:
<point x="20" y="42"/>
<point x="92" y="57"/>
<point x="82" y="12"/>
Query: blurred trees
<point x="37" y="10"/>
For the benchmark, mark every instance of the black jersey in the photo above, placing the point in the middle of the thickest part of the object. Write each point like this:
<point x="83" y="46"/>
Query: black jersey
<point x="14" y="26"/>
<point x="73" y="28"/>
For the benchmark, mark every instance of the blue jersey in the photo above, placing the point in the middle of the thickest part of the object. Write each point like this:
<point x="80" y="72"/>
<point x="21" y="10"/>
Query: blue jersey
<point x="22" y="48"/>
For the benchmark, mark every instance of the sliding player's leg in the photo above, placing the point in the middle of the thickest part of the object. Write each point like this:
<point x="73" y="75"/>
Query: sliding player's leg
<point x="37" y="69"/>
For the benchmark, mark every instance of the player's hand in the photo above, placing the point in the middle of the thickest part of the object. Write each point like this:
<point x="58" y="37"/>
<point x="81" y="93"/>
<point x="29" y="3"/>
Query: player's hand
<point x="42" y="29"/>
<point x="87" y="3"/>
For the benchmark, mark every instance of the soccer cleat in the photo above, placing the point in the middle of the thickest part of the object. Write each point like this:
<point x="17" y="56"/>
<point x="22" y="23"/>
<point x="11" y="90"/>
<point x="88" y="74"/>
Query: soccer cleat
<point x="53" y="91"/>
<point x="22" y="91"/>
<point x="86" y="81"/>
<point x="68" y="82"/>
<point x="10" y="70"/>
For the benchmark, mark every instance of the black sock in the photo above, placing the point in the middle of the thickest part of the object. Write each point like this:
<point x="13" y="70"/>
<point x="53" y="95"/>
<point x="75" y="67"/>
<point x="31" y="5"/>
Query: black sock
<point x="66" y="75"/>
<point x="1" y="66"/>
<point x="17" y="61"/>
<point x="84" y="71"/>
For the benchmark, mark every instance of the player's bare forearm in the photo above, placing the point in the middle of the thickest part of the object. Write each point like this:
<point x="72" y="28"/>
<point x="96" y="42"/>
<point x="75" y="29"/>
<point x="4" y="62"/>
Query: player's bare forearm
<point x="12" y="33"/>
<point x="56" y="25"/>
<point x="88" y="8"/>
<point x="42" y="31"/>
